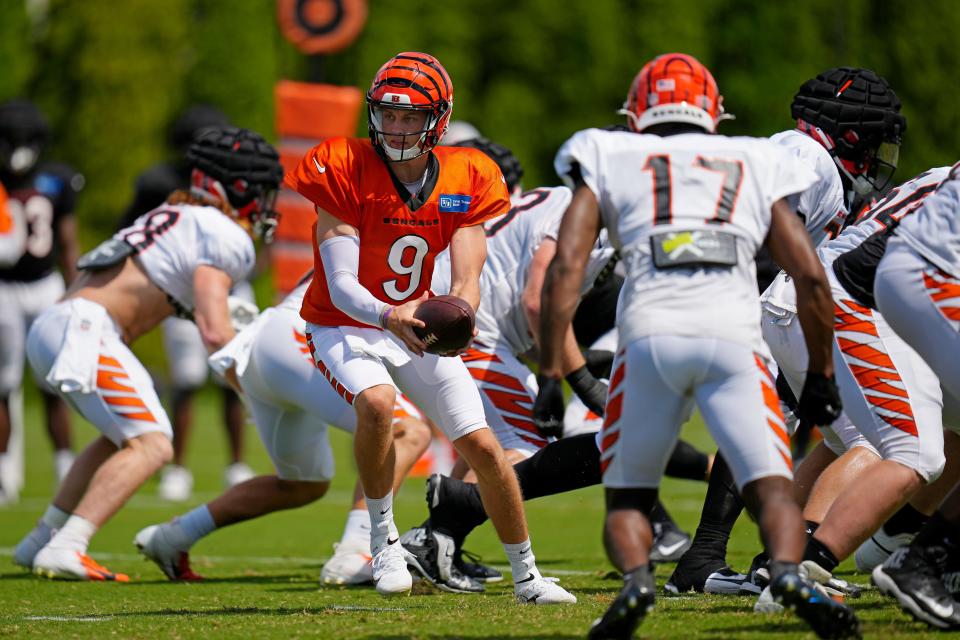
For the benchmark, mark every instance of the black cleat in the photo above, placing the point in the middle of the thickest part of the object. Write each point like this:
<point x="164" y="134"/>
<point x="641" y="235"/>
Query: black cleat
<point x="913" y="577"/>
<point x="473" y="569"/>
<point x="626" y="612"/>
<point x="691" y="574"/>
<point x="827" y="618"/>
<point x="430" y="554"/>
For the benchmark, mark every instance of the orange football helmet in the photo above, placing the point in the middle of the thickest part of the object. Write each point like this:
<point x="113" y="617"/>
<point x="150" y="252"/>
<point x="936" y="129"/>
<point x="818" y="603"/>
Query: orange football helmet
<point x="415" y="82"/>
<point x="674" y="87"/>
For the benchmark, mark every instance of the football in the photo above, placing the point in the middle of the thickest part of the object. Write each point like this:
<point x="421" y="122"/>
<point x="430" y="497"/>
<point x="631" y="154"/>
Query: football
<point x="449" y="321"/>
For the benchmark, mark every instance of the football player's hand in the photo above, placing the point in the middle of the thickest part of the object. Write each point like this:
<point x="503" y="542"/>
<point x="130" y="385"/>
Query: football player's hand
<point x="549" y="407"/>
<point x="400" y="322"/>
<point x="820" y="402"/>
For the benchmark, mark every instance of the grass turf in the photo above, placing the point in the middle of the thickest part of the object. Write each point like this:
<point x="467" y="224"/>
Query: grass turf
<point x="261" y="576"/>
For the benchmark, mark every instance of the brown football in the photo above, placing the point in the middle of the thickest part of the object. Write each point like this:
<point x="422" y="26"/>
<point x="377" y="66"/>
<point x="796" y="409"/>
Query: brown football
<point x="449" y="321"/>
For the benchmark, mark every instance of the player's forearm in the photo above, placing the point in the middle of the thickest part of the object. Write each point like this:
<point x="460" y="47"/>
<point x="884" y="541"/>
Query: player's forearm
<point x="341" y="263"/>
<point x="468" y="290"/>
<point x="558" y="304"/>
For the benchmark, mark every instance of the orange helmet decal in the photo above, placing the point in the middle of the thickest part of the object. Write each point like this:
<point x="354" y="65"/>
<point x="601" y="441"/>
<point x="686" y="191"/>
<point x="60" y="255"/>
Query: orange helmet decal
<point x="675" y="88"/>
<point x="414" y="82"/>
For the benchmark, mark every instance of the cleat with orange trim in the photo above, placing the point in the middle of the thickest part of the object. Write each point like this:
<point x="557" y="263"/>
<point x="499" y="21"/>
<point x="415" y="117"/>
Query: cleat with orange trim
<point x="70" y="564"/>
<point x="350" y="564"/>
<point x="154" y="544"/>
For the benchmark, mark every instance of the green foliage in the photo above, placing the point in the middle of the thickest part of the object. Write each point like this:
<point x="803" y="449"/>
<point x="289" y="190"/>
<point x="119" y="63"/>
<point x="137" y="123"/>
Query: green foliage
<point x="16" y="49"/>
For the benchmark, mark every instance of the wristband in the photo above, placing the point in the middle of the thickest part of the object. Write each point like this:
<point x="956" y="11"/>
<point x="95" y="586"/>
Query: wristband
<point x="385" y="315"/>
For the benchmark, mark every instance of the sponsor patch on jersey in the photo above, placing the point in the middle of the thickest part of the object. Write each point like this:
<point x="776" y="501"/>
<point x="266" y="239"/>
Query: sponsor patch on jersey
<point x="454" y="203"/>
<point x="705" y="248"/>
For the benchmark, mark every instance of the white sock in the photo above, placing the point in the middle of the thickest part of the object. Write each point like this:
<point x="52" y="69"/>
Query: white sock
<point x="54" y="518"/>
<point x="382" y="528"/>
<point x="190" y="527"/>
<point x="75" y="534"/>
<point x="357" y="528"/>
<point x="62" y="461"/>
<point x="522" y="563"/>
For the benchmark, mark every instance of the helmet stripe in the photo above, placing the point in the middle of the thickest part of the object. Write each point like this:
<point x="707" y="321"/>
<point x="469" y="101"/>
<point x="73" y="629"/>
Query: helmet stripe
<point x="433" y="65"/>
<point x="418" y="72"/>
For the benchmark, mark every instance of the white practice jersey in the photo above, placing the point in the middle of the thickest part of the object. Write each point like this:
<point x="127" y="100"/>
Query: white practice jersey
<point x="688" y="214"/>
<point x="171" y="241"/>
<point x="294" y="300"/>
<point x="822" y="205"/>
<point x="898" y="202"/>
<point x="512" y="240"/>
<point x="934" y="232"/>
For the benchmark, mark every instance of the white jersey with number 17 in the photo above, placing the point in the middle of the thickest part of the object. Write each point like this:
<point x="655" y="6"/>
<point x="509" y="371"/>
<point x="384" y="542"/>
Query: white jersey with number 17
<point x="688" y="213"/>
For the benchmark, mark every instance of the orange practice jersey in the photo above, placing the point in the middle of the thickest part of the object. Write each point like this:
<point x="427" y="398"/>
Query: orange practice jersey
<point x="400" y="234"/>
<point x="6" y="221"/>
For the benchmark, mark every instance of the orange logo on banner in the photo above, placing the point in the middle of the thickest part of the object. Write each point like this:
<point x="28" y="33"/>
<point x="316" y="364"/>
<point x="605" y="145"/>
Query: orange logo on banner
<point x="321" y="26"/>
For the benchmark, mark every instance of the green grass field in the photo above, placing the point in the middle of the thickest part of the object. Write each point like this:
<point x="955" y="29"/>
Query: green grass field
<point x="262" y="575"/>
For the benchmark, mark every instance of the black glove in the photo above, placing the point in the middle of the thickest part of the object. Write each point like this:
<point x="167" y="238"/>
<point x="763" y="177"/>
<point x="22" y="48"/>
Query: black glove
<point x="549" y="407"/>
<point x="599" y="362"/>
<point x="591" y="391"/>
<point x="820" y="402"/>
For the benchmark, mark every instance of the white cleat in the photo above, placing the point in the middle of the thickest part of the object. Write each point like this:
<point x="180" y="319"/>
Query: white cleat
<point x="236" y="473"/>
<point x="390" y="571"/>
<point x="541" y="590"/>
<point x="350" y="564"/>
<point x="154" y="544"/>
<point x="878" y="547"/>
<point x="27" y="549"/>
<point x="766" y="604"/>
<point x="176" y="483"/>
<point x="69" y="564"/>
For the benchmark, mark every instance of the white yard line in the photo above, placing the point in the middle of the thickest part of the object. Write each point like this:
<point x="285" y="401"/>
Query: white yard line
<point x="68" y="618"/>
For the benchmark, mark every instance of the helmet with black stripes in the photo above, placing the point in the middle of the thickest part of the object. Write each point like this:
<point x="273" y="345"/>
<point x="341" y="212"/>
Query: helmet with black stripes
<point x="239" y="167"/>
<point x="509" y="164"/>
<point x="855" y="115"/>
<point x="408" y="106"/>
<point x="674" y="88"/>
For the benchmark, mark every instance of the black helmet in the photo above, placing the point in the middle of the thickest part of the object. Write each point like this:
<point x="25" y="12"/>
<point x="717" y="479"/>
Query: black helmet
<point x="860" y="113"/>
<point x="194" y="120"/>
<point x="509" y="164"/>
<point x="24" y="131"/>
<point x="240" y="166"/>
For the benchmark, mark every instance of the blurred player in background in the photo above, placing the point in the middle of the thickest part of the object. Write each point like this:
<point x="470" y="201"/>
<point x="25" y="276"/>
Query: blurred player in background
<point x="688" y="211"/>
<point x="385" y="208"/>
<point x="186" y="356"/>
<point x="42" y="195"/>
<point x="13" y="231"/>
<point x="181" y="258"/>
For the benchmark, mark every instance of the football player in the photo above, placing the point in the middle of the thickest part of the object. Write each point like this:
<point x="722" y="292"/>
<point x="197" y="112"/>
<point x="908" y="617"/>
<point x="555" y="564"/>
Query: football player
<point x="181" y="258"/>
<point x="186" y="355"/>
<point x="43" y="196"/>
<point x="520" y="245"/>
<point x="292" y="405"/>
<point x="917" y="286"/>
<point x="848" y="132"/>
<point x="688" y="210"/>
<point x="402" y="200"/>
<point x="892" y="399"/>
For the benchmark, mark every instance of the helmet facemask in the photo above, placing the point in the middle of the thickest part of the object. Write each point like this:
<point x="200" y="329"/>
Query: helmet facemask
<point x="413" y="143"/>
<point x="253" y="207"/>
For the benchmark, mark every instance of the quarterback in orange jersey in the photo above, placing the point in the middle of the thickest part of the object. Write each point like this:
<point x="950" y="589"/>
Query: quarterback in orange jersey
<point x="385" y="208"/>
